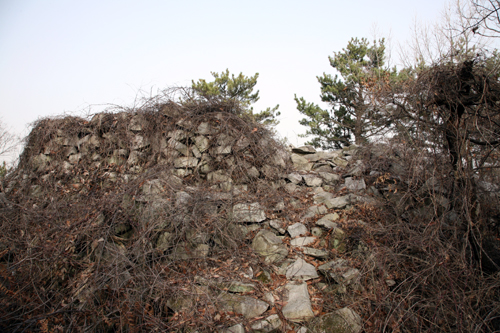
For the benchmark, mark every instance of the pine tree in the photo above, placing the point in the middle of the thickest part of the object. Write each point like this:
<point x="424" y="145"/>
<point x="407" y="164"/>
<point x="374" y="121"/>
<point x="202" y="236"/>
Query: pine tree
<point x="237" y="88"/>
<point x="354" y="114"/>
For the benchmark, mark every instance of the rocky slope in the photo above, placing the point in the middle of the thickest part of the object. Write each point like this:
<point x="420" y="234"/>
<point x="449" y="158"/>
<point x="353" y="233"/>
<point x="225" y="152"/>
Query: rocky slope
<point x="188" y="218"/>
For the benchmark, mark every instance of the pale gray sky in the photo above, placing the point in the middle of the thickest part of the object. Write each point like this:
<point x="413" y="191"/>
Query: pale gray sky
<point x="59" y="56"/>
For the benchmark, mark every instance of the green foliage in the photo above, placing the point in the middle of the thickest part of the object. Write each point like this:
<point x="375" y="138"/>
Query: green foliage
<point x="353" y="112"/>
<point x="236" y="88"/>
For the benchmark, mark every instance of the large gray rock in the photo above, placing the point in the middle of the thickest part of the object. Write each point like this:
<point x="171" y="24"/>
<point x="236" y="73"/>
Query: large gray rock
<point x="269" y="246"/>
<point x="298" y="307"/>
<point x="245" y="212"/>
<point x="343" y="320"/>
<point x="300" y="163"/>
<point x="247" y="306"/>
<point x="301" y="270"/>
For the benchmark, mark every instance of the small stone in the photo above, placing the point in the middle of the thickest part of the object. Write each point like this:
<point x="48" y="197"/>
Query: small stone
<point x="327" y="221"/>
<point x="248" y="212"/>
<point x="312" y="180"/>
<point x="239" y="328"/>
<point x="186" y="162"/>
<point x="318" y="253"/>
<point x="294" y="177"/>
<point x="278" y="225"/>
<point x="301" y="270"/>
<point x="269" y="324"/>
<point x="343" y="320"/>
<point x="338" y="202"/>
<point x="202" y="143"/>
<point x="290" y="188"/>
<point x="297" y="229"/>
<point x="244" y="305"/>
<point x="302" y="241"/>
<point x="268" y="245"/>
<point x="315" y="210"/>
<point x="330" y="178"/>
<point x="317" y="232"/>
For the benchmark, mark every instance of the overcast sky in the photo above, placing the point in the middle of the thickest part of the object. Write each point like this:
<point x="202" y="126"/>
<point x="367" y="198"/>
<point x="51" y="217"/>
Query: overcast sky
<point x="66" y="57"/>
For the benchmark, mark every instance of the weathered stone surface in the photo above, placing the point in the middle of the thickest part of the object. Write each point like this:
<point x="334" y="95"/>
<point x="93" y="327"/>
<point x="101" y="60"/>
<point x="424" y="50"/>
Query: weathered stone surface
<point x="267" y="325"/>
<point x="340" y="162"/>
<point x="327" y="221"/>
<point x="186" y="162"/>
<point x="204" y="128"/>
<point x="241" y="143"/>
<point x="268" y="245"/>
<point x="137" y="123"/>
<point x="218" y="176"/>
<point x="322" y="167"/>
<point x="183" y="251"/>
<point x="290" y="188"/>
<point x="177" y="135"/>
<point x="239" y="328"/>
<point x="322" y="197"/>
<point x="300" y="163"/>
<point x="343" y="320"/>
<point x="178" y="146"/>
<point x="302" y="241"/>
<point x="278" y="225"/>
<point x="320" y="155"/>
<point x="355" y="184"/>
<point x="315" y="210"/>
<point x="152" y="187"/>
<point x="307" y="149"/>
<point x="202" y="143"/>
<point x="339" y="272"/>
<point x="298" y="307"/>
<point x="338" y="202"/>
<point x="301" y="270"/>
<point x="247" y="306"/>
<point x="245" y="212"/>
<point x="313" y="180"/>
<point x="318" y="253"/>
<point x="139" y="142"/>
<point x="294" y="177"/>
<point x="297" y="229"/>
